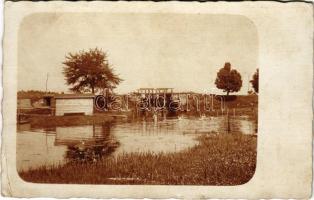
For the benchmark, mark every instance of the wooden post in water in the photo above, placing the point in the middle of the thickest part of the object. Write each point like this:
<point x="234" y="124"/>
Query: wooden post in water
<point x="228" y="122"/>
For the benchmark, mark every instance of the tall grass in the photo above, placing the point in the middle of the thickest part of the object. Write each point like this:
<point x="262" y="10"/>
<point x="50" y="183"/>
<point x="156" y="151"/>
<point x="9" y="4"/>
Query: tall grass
<point x="226" y="159"/>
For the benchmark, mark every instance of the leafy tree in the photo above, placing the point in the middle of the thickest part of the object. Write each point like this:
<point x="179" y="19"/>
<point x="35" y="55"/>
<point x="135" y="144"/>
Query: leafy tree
<point x="229" y="80"/>
<point x="90" y="70"/>
<point x="254" y="81"/>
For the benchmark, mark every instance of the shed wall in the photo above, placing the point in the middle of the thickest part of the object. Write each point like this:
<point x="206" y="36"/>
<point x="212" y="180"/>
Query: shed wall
<point x="74" y="106"/>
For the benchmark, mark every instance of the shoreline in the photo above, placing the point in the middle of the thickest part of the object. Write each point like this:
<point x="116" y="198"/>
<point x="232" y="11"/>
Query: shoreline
<point x="71" y="120"/>
<point x="224" y="159"/>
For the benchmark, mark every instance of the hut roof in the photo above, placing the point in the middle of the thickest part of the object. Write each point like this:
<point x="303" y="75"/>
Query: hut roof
<point x="74" y="96"/>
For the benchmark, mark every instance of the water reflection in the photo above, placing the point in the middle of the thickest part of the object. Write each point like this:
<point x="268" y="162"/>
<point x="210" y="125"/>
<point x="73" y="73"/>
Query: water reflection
<point x="90" y="143"/>
<point x="147" y="135"/>
<point x="59" y="145"/>
<point x="37" y="148"/>
<point x="86" y="143"/>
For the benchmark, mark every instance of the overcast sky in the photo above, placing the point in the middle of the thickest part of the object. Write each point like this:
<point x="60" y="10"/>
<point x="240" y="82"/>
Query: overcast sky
<point x="182" y="51"/>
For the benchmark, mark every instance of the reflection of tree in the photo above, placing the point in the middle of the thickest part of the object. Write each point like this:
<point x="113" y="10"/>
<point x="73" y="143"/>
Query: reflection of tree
<point x="102" y="144"/>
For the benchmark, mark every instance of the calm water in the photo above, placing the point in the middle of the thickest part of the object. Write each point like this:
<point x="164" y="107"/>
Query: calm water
<point x="58" y="145"/>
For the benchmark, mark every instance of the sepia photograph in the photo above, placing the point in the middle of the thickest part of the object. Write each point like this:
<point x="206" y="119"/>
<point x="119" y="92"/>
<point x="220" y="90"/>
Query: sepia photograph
<point x="183" y="100"/>
<point x="166" y="99"/>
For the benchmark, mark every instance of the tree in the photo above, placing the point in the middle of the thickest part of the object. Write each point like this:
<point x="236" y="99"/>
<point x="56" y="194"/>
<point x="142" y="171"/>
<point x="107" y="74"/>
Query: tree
<point x="229" y="80"/>
<point x="90" y="70"/>
<point x="254" y="81"/>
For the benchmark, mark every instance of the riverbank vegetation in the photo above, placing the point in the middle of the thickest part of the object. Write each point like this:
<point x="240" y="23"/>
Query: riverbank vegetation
<point x="219" y="159"/>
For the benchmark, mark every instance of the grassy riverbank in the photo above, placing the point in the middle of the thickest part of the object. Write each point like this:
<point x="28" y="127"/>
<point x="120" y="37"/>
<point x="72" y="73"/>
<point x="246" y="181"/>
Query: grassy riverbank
<point x="226" y="159"/>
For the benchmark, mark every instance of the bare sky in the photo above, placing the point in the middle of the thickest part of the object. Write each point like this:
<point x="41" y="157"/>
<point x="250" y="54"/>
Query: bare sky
<point x="182" y="51"/>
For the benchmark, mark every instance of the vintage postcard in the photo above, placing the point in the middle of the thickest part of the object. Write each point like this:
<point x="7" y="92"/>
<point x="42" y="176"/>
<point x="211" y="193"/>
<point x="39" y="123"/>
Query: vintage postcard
<point x="157" y="99"/>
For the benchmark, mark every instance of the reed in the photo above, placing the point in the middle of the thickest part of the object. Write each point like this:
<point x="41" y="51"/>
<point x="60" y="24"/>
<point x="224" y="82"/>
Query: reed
<point x="225" y="159"/>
